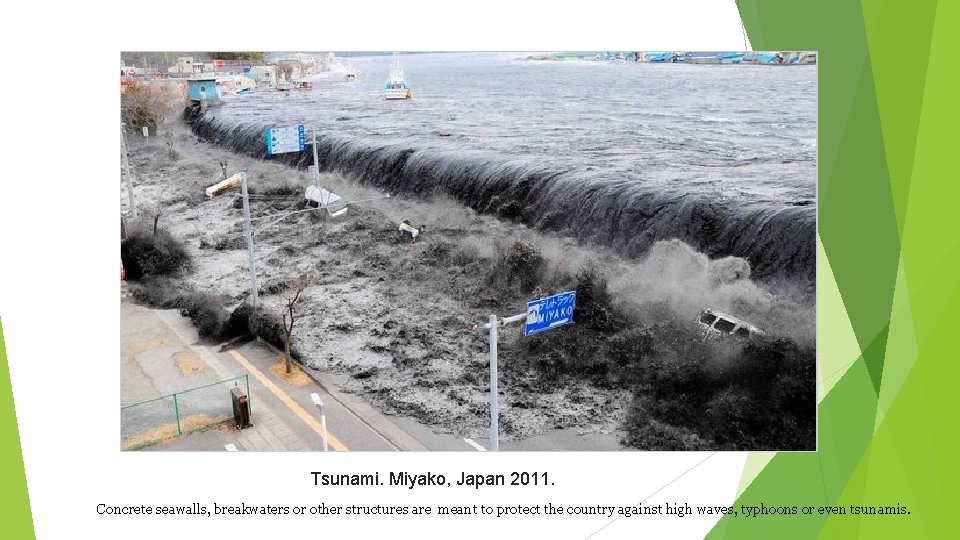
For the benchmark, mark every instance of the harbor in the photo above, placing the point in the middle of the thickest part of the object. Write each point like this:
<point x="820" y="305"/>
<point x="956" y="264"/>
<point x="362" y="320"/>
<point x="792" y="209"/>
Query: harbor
<point x="763" y="58"/>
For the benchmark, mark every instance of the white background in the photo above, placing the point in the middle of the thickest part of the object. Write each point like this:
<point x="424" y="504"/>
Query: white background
<point x="59" y="263"/>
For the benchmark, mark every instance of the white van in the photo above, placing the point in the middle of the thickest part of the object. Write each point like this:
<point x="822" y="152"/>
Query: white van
<point x="718" y="323"/>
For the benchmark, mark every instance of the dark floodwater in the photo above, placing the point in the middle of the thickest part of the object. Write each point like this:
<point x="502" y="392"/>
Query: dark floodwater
<point x="722" y="157"/>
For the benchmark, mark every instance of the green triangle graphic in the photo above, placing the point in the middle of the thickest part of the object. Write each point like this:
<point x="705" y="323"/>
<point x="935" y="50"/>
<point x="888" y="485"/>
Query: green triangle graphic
<point x="873" y="357"/>
<point x="15" y="511"/>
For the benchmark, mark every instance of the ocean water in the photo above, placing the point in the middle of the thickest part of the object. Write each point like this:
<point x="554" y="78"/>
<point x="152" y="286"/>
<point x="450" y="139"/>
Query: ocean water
<point x="622" y="154"/>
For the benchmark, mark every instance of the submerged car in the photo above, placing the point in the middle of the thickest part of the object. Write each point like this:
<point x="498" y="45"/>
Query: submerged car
<point x="718" y="323"/>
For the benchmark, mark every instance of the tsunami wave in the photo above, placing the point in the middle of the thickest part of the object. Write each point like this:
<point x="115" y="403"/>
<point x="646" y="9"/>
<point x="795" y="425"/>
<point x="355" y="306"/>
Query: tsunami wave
<point x="778" y="239"/>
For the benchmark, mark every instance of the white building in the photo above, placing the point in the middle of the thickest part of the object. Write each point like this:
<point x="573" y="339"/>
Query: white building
<point x="242" y="81"/>
<point x="264" y="75"/>
<point x="185" y="64"/>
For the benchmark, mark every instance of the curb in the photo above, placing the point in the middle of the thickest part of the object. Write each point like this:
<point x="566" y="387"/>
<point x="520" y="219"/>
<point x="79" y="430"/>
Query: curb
<point x="365" y="413"/>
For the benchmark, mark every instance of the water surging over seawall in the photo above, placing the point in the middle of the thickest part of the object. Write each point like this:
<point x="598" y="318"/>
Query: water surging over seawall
<point x="778" y="239"/>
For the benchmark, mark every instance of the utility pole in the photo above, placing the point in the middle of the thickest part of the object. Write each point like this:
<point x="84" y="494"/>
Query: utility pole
<point x="128" y="172"/>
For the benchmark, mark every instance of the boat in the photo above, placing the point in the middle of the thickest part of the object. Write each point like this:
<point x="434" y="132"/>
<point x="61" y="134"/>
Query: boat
<point x="352" y="74"/>
<point x="284" y="86"/>
<point x="396" y="86"/>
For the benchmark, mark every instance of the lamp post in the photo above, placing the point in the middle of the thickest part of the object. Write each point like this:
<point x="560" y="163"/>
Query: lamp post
<point x="240" y="179"/>
<point x="224" y="186"/>
<point x="248" y="232"/>
<point x="323" y="417"/>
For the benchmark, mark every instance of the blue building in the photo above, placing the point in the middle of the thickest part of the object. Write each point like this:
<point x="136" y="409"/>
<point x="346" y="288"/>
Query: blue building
<point x="662" y="57"/>
<point x="203" y="89"/>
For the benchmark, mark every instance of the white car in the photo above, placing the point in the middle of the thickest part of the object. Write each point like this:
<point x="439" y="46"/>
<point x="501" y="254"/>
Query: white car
<point x="718" y="323"/>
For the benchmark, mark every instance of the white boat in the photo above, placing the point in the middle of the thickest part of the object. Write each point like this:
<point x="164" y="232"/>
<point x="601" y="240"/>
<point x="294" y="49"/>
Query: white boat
<point x="284" y="85"/>
<point x="396" y="86"/>
<point x="352" y="74"/>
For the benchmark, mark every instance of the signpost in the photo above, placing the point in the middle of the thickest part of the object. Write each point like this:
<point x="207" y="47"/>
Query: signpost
<point x="292" y="139"/>
<point x="550" y="312"/>
<point x="544" y="314"/>
<point x="285" y="139"/>
<point x="316" y="160"/>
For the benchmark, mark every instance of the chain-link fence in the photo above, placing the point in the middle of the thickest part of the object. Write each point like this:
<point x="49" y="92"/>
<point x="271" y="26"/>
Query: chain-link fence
<point x="154" y="420"/>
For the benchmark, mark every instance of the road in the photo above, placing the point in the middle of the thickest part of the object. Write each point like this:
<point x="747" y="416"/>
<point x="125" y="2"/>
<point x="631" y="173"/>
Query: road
<point x="155" y="344"/>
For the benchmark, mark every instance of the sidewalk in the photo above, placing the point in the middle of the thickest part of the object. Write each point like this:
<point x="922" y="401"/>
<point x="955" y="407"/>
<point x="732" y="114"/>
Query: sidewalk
<point x="160" y="354"/>
<point x="354" y="424"/>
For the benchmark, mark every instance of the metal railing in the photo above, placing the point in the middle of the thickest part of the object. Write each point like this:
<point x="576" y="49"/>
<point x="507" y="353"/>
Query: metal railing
<point x="151" y="421"/>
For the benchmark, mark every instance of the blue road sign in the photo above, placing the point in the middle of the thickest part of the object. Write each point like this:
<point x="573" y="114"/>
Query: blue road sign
<point x="285" y="139"/>
<point x="550" y="312"/>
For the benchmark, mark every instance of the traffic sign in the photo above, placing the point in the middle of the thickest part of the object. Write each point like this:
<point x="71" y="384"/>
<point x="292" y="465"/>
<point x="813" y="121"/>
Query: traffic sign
<point x="543" y="314"/>
<point x="285" y="139"/>
<point x="550" y="312"/>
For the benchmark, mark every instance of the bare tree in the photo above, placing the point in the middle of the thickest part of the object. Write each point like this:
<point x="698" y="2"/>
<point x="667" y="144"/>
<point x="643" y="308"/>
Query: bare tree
<point x="153" y="211"/>
<point x="172" y="153"/>
<point x="147" y="105"/>
<point x="291" y="302"/>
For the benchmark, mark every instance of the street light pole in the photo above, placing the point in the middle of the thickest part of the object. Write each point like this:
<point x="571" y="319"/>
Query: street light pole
<point x="248" y="231"/>
<point x="323" y="417"/>
<point x="231" y="183"/>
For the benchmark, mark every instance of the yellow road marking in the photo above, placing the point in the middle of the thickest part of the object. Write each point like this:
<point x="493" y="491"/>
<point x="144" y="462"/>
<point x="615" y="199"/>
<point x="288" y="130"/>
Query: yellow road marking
<point x="310" y="421"/>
